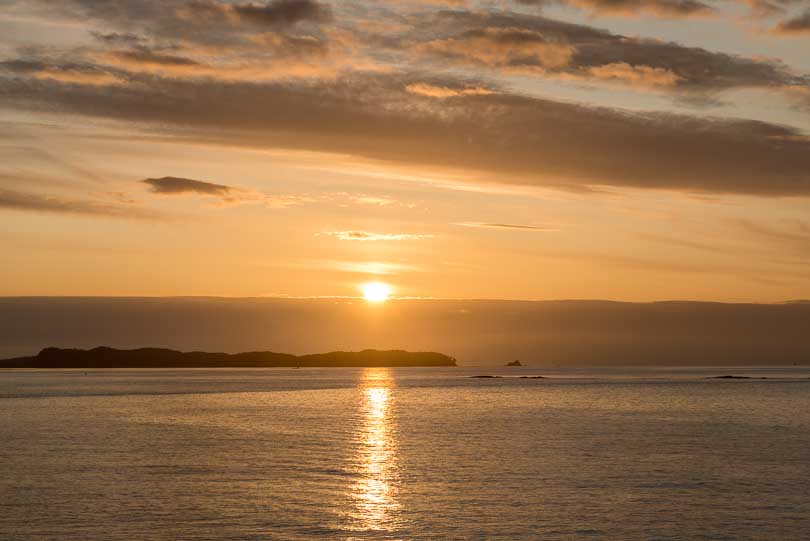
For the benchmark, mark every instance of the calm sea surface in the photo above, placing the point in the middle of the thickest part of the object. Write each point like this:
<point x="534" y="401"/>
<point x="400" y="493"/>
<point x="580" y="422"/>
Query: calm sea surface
<point x="403" y="454"/>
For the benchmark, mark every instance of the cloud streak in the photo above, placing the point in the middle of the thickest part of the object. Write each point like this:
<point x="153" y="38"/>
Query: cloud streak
<point x="33" y="202"/>
<point x="516" y="227"/>
<point x="366" y="236"/>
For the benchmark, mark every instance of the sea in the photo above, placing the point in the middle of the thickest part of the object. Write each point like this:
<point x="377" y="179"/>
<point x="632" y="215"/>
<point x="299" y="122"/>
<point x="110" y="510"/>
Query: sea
<point x="412" y="453"/>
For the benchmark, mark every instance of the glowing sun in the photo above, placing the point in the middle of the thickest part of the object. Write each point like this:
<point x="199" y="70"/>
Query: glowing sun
<point x="376" y="291"/>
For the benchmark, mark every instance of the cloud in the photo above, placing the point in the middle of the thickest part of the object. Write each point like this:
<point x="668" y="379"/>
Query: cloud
<point x="176" y="185"/>
<point x="63" y="72"/>
<point x="518" y="227"/>
<point x="118" y="38"/>
<point x="795" y="26"/>
<point x="793" y="237"/>
<point x="441" y="92"/>
<point x="283" y="12"/>
<point x="229" y="27"/>
<point x="502" y="137"/>
<point x="302" y="38"/>
<point x="227" y="194"/>
<point x="374" y="200"/>
<point x="201" y="39"/>
<point x="507" y="48"/>
<point x="631" y="8"/>
<point x="274" y="13"/>
<point x="31" y="202"/>
<point x="147" y="56"/>
<point x="635" y="75"/>
<point x="346" y="199"/>
<point x="369" y="236"/>
<point x="519" y="43"/>
<point x="507" y="137"/>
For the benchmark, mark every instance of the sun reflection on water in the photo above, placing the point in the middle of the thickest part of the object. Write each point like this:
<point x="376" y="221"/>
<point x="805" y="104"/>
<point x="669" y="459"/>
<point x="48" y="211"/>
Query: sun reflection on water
<point x="375" y="491"/>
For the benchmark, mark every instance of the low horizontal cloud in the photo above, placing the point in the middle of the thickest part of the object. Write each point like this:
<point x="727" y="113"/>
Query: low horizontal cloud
<point x="516" y="139"/>
<point x="227" y="194"/>
<point x="35" y="202"/>
<point x="370" y="236"/>
<point x="518" y="227"/>
<point x="177" y="185"/>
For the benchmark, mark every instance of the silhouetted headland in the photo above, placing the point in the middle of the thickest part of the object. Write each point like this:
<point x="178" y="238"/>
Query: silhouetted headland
<point x="104" y="357"/>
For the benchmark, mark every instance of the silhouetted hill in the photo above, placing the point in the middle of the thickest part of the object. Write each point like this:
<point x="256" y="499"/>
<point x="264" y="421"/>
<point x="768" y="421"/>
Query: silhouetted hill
<point x="104" y="357"/>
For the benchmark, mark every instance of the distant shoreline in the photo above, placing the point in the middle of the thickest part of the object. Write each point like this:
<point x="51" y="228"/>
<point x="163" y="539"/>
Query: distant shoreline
<point x="105" y="357"/>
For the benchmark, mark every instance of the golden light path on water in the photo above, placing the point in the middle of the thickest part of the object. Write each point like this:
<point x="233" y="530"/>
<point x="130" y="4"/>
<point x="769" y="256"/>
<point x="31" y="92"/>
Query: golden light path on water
<point x="375" y="492"/>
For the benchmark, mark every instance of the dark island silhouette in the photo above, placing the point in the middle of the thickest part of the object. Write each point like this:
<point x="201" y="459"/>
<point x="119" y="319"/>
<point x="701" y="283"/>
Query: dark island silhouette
<point x="105" y="357"/>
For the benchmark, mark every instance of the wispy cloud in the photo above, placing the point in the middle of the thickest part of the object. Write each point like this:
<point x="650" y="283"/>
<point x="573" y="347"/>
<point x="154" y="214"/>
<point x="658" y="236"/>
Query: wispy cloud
<point x="34" y="202"/>
<point x="370" y="236"/>
<point x="519" y="227"/>
<point x="363" y="199"/>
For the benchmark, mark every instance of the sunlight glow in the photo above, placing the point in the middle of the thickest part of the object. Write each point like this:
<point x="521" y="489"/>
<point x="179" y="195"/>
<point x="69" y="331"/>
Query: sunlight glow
<point x="376" y="291"/>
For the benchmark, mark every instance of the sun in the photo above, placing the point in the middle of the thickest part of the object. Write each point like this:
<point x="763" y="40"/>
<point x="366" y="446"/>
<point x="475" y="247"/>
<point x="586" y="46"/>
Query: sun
<point x="376" y="291"/>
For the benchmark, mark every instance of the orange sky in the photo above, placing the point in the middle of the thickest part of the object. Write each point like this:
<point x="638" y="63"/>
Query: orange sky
<point x="635" y="150"/>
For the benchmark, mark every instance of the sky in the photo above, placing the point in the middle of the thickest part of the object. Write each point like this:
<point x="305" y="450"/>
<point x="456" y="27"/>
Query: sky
<point x="630" y="150"/>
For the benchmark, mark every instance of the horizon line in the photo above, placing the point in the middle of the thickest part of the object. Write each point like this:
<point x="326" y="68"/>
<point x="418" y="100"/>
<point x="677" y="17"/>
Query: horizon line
<point x="403" y="298"/>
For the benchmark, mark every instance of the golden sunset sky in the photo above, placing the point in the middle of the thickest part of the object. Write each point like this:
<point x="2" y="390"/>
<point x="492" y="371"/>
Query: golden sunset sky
<point x="613" y="149"/>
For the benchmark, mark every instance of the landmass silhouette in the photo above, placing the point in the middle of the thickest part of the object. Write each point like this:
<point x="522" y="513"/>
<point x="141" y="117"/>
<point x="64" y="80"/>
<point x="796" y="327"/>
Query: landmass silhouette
<point x="105" y="357"/>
